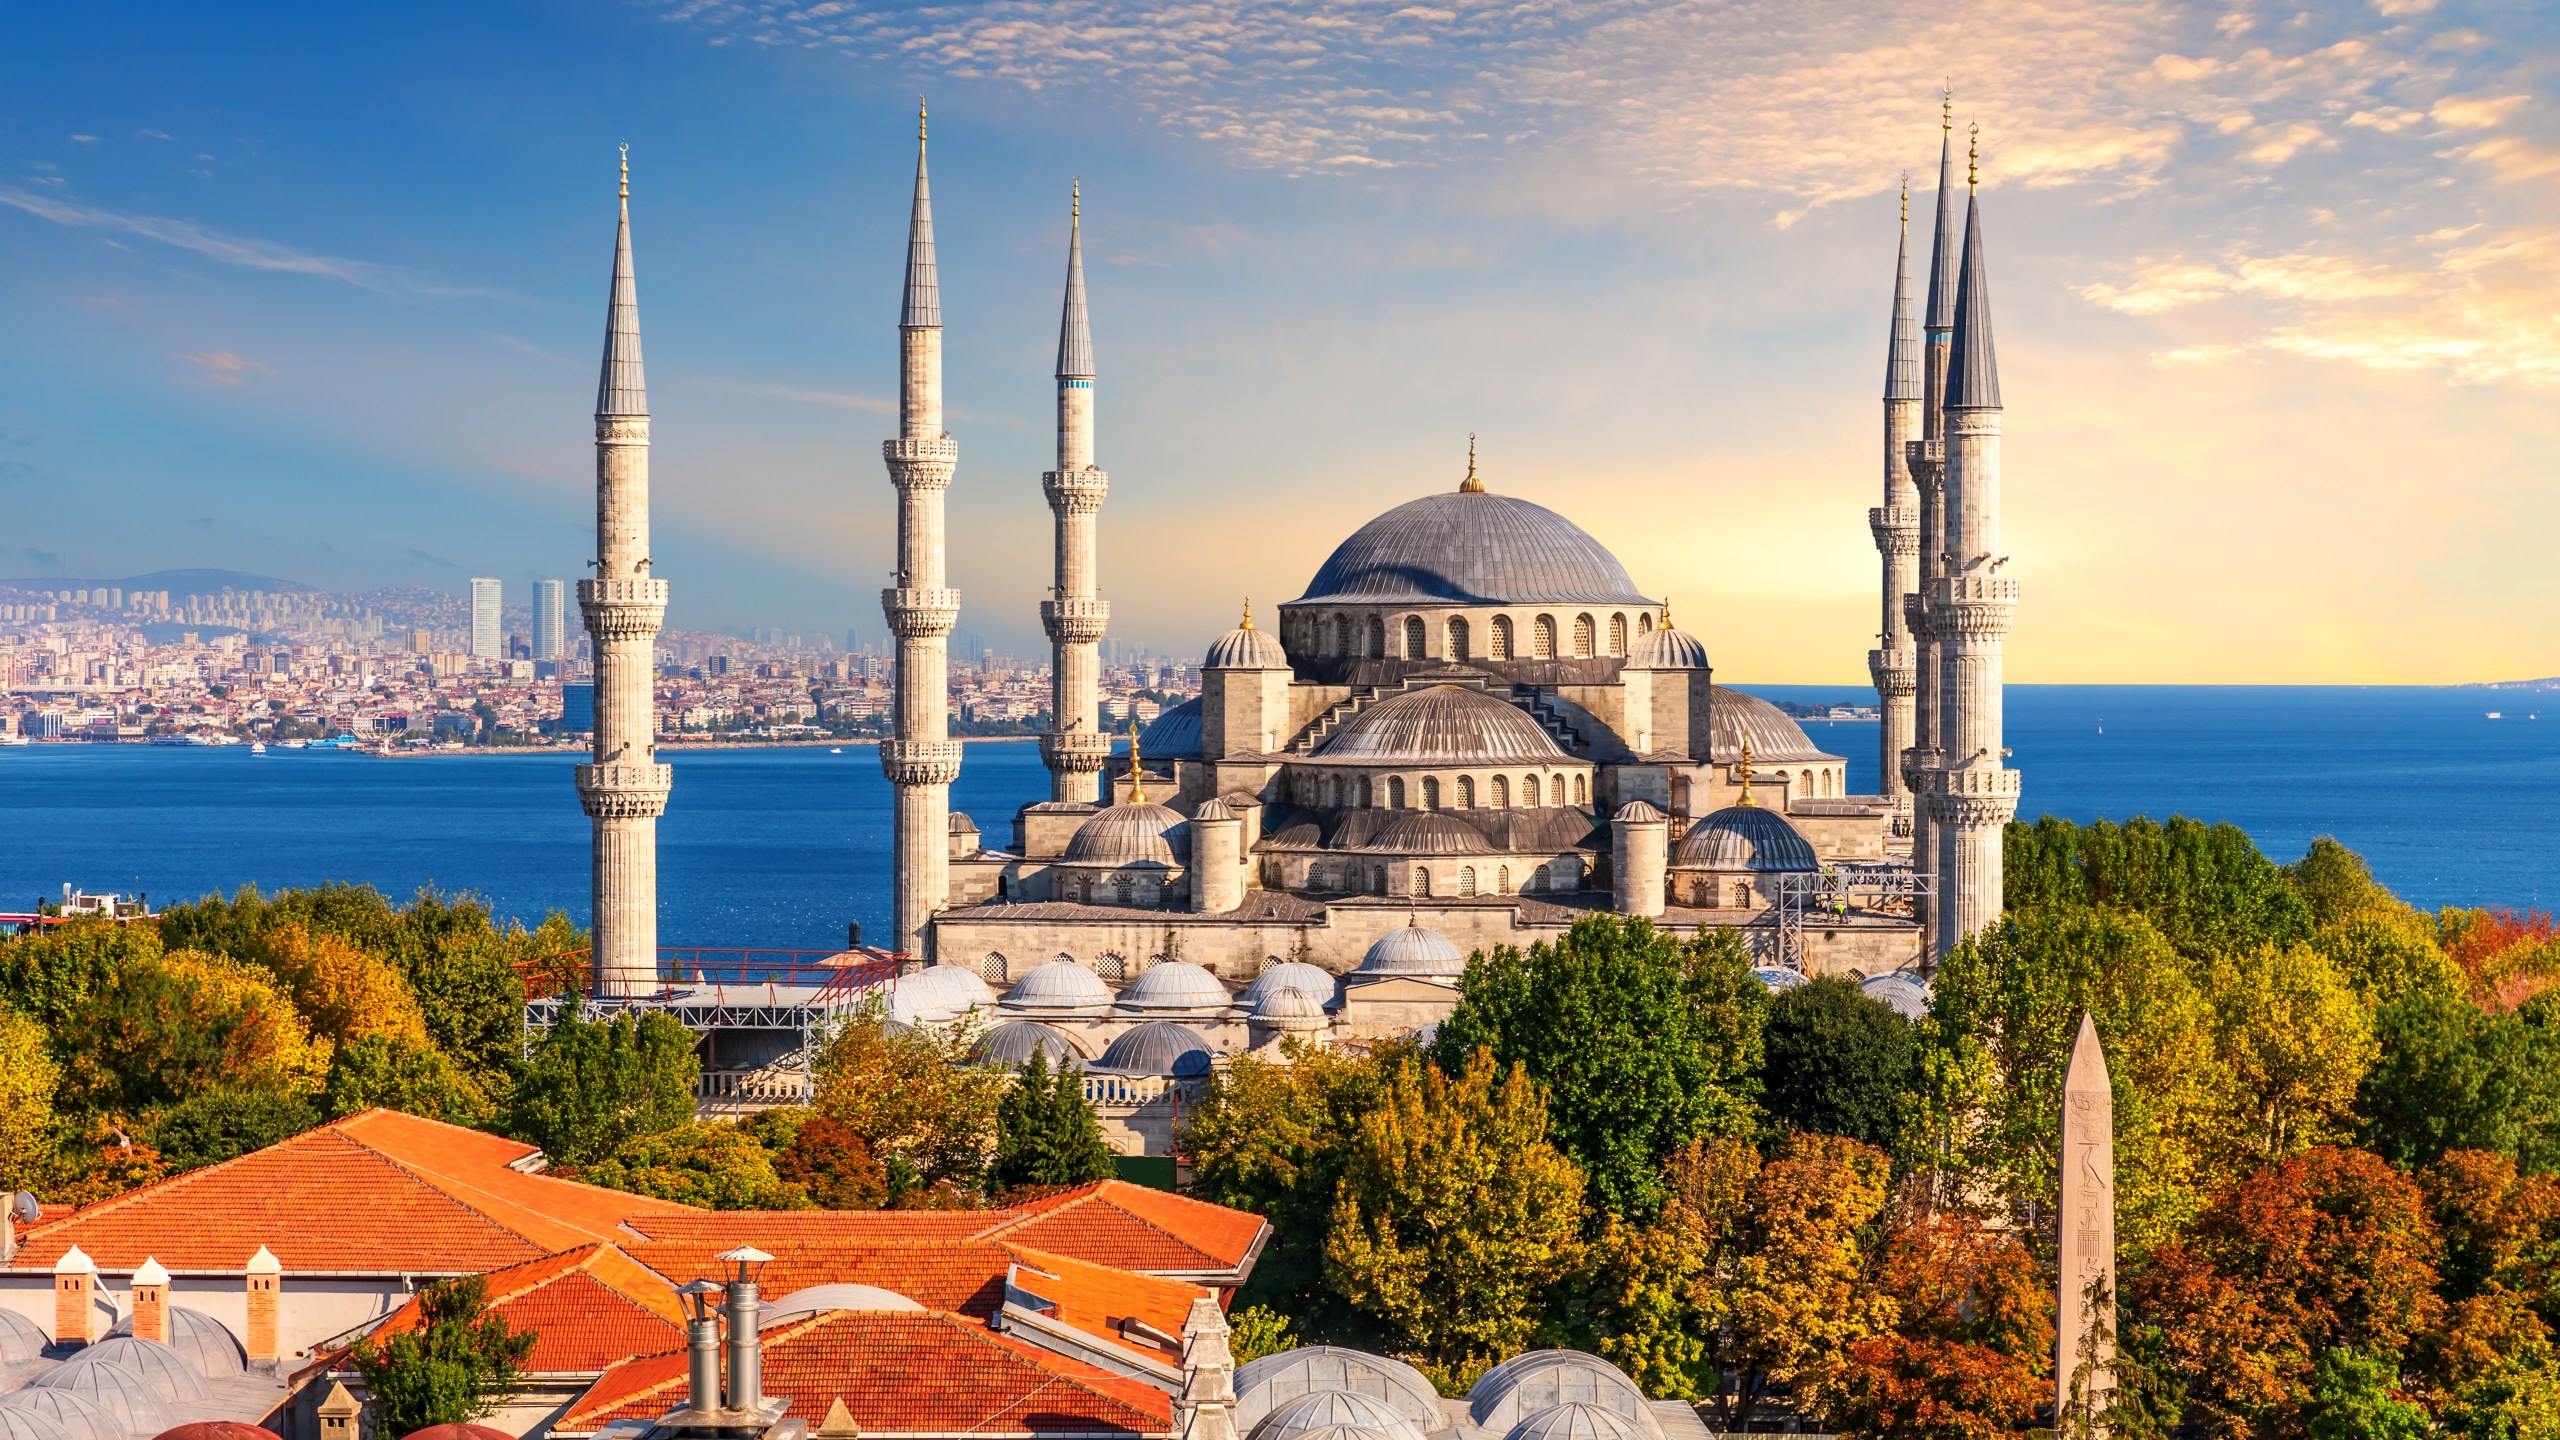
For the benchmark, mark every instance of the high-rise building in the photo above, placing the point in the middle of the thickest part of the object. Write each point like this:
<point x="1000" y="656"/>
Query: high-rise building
<point x="550" y="619"/>
<point x="578" y="709"/>
<point x="488" y="642"/>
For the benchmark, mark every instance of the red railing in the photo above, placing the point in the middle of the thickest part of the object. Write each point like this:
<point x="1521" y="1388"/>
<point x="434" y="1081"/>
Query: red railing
<point x="730" y="971"/>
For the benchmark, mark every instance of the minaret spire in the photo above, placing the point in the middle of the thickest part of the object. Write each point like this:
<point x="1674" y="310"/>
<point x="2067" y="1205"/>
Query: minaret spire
<point x="922" y="760"/>
<point x="623" y="788"/>
<point x="1926" y="461"/>
<point x="1896" y="527"/>
<point x="1076" y="748"/>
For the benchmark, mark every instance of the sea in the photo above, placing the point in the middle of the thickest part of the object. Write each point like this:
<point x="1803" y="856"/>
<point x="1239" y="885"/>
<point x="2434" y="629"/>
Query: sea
<point x="784" y="847"/>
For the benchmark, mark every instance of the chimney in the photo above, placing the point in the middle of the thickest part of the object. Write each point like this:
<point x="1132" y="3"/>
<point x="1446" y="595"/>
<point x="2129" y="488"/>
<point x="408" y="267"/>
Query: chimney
<point x="838" y="1425"/>
<point x="746" y="1346"/>
<point x="702" y="1342"/>
<point x="339" y="1411"/>
<point x="1206" y="1407"/>
<point x="75" y="1298"/>
<point x="151" y="1302"/>
<point x="263" y="1272"/>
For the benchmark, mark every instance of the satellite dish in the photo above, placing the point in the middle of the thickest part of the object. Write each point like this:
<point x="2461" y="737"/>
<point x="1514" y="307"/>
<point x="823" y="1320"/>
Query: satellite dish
<point x="23" y="1207"/>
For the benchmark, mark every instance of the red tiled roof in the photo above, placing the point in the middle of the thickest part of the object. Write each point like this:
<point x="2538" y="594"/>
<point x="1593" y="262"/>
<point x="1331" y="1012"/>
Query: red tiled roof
<point x="902" y="1373"/>
<point x="1096" y="1298"/>
<point x="1132" y="1227"/>
<point x="379" y="1192"/>
<point x="966" y="1277"/>
<point x="767" y="1228"/>
<point x="588" y="1308"/>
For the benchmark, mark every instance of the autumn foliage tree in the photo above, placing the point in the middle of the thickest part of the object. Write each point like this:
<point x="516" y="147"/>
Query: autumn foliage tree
<point x="1967" y="1355"/>
<point x="919" y="1102"/>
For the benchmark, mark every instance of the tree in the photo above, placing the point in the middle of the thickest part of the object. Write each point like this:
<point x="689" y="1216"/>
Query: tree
<point x="2292" y="1041"/>
<point x="29" y="1081"/>
<point x="101" y="1164"/>
<point x="1456" y="1213"/>
<point x="831" y="1164"/>
<point x="1642" y="1044"/>
<point x="1836" y="1061"/>
<point x="708" y="1164"/>
<point x="2206" y="887"/>
<point x="217" y="1125"/>
<point x="400" y="1074"/>
<point x="1254" y="1332"/>
<point x="452" y="1368"/>
<point x="171" y="1025"/>
<point x="1046" y="1134"/>
<point x="1968" y="1354"/>
<point x="2452" y="1077"/>
<point x="593" y="1086"/>
<point x="344" y="991"/>
<point x="918" y="1102"/>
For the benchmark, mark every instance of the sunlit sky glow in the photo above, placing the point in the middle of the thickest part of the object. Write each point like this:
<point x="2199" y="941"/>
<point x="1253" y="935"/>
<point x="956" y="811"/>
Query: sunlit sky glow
<point x="317" y="292"/>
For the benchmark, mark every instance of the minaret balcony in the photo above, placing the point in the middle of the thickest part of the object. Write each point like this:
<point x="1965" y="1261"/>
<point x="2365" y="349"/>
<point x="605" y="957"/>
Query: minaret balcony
<point x="921" y="464"/>
<point x="1078" y="752"/>
<point x="920" y="762"/>
<point x="1075" y="621"/>
<point x="1918" y="764"/>
<point x="1076" y="492"/>
<point x="921" y="612"/>
<point x="628" y="609"/>
<point x="1915" y="615"/>
<point x="618" y="790"/>
<point x="1896" y="529"/>
<point x="1927" y="459"/>
<point x="1896" y="672"/>
<point x="1978" y="794"/>
<point x="1972" y="606"/>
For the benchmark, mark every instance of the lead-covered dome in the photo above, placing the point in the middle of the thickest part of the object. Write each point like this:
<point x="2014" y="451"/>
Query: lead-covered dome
<point x="1541" y="1380"/>
<point x="1311" y="1414"/>
<point x="1733" y="717"/>
<point x="1246" y="648"/>
<point x="1014" y="1043"/>
<point x="76" y="1416"/>
<point x="1175" y="985"/>
<point x="204" y="1342"/>
<point x="1750" y="838"/>
<point x="120" y="1392"/>
<point x="1457" y="548"/>
<point x="21" y="1339"/>
<point x="1411" y="949"/>
<point x="1428" y="832"/>
<point x="1058" y="985"/>
<point x="160" y="1367"/>
<point x="1174" y="733"/>
<point x="1667" y="649"/>
<point x="1289" y="975"/>
<point x="1165" y="1048"/>
<point x="1443" y="725"/>
<point x="1265" y="1385"/>
<point x="1137" y="833"/>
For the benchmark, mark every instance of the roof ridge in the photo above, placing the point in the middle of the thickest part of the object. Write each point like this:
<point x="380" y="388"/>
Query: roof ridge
<point x="1097" y="1195"/>
<point x="432" y="1178"/>
<point x="1024" y="1353"/>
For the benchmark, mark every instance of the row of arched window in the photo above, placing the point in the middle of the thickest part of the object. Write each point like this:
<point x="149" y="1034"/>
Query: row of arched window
<point x="1469" y="881"/>
<point x="1501" y="638"/>
<point x="1459" y="793"/>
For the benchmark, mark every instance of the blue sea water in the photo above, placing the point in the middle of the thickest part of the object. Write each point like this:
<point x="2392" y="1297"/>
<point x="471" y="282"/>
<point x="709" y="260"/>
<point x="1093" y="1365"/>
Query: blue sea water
<point x="780" y="847"/>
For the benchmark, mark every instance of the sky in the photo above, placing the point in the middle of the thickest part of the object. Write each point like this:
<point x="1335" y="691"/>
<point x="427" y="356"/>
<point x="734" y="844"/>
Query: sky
<point x="318" y="292"/>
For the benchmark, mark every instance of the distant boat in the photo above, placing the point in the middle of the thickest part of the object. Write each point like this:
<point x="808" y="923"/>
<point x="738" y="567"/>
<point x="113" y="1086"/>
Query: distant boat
<point x="2494" y="715"/>
<point x="835" y="749"/>
<point x="257" y="747"/>
<point x="291" y="744"/>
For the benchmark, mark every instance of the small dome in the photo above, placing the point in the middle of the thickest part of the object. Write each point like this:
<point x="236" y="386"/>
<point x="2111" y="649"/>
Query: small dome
<point x="1289" y="975"/>
<point x="1058" y="985"/>
<point x="1245" y="648"/>
<point x="1443" y="725"/>
<point x="1175" y="732"/>
<point x="205" y="1342"/>
<point x="1524" y="1385"/>
<point x="1428" y="832"/>
<point x="1637" y="812"/>
<point x="162" y="1368"/>
<point x="1213" y="810"/>
<point x="1325" y="1410"/>
<point x="458" y="1432"/>
<point x="1175" y="985"/>
<point x="1573" y="1421"/>
<point x="1908" y="994"/>
<point x="217" y="1430"/>
<point x="1265" y="1385"/>
<point x="816" y="1298"/>
<point x="21" y="1339"/>
<point x="77" y="1416"/>
<point x="938" y="992"/>
<point x="1164" y="1048"/>
<point x="1286" y="1009"/>
<point x="19" y="1423"/>
<point x="122" y="1393"/>
<point x="1777" y="978"/>
<point x="1014" y="1043"/>
<point x="1455" y="547"/>
<point x="1412" y="950"/>
<point x="1733" y="717"/>
<point x="1751" y="838"/>
<point x="1138" y="833"/>
<point x="1667" y="649"/>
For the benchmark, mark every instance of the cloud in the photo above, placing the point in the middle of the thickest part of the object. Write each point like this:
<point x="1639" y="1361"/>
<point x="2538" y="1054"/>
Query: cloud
<point x="527" y="347"/>
<point x="246" y="252"/>
<point x="436" y="560"/>
<point x="221" y="367"/>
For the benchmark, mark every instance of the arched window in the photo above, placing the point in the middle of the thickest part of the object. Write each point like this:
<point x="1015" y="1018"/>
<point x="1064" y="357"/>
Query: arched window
<point x="1123" y="889"/>
<point x="1315" y="875"/>
<point x="1421" y="881"/>
<point x="1378" y="879"/>
<point x="1368" y="794"/>
<point x="1529" y="790"/>
<point x="1644" y="624"/>
<point x="1502" y="878"/>
<point x="1457" y="637"/>
<point x="1416" y="637"/>
<point x="1395" y="792"/>
<point x="1537" y="882"/>
<point x="1466" y="792"/>
<point x="1581" y="789"/>
<point x="1741" y="894"/>
<point x="1826" y="784"/>
<point x="994" y="968"/>
<point x="1377" y="638"/>
<point x="1582" y="633"/>
<point x="1542" y="638"/>
<point x="1501" y="638"/>
<point x="1430" y="792"/>
<point x="1501" y="792"/>
<point x="1617" y="634"/>
<point x="1113" y="966"/>
<point x="1466" y="882"/>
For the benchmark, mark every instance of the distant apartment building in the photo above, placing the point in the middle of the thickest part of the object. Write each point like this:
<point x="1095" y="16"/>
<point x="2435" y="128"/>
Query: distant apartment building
<point x="578" y="709"/>
<point x="488" y="640"/>
<point x="550" y="619"/>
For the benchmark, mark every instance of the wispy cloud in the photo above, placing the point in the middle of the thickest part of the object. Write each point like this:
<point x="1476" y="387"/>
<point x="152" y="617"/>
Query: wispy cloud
<point x="246" y="252"/>
<point x="221" y="367"/>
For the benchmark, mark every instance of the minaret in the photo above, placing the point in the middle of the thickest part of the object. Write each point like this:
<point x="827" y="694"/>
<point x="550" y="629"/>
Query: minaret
<point x="1896" y="527"/>
<point x="1927" y="466"/>
<point x="1972" y="796"/>
<point x="922" y="761"/>
<point x="624" y="788"/>
<point x="1075" y="747"/>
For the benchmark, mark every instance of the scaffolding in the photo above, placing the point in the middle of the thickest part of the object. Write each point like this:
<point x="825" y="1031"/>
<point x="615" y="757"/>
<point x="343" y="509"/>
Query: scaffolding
<point x="1889" y="889"/>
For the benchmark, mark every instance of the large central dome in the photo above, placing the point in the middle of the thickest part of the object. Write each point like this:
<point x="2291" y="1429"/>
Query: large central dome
<point x="1463" y="548"/>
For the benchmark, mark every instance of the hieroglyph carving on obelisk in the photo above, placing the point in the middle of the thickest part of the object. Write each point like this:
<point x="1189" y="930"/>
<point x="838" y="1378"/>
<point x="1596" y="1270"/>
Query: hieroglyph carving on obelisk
<point x="2084" y="1313"/>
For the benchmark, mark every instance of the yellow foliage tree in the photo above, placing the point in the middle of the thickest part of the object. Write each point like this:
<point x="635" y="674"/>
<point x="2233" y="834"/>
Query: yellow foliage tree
<point x="346" y="992"/>
<point x="29" y="1080"/>
<point x="2291" y="1041"/>
<point x="912" y="1095"/>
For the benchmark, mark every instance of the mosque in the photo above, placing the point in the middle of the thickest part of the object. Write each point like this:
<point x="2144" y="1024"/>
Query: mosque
<point x="1473" y="727"/>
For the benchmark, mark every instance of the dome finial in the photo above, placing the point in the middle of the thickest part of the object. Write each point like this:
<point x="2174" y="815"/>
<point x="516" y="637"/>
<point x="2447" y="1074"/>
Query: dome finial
<point x="1666" y="614"/>
<point x="1471" y="485"/>
<point x="1742" y="772"/>
<point x="1137" y="767"/>
<point x="626" y="170"/>
<point x="919" y="122"/>
<point x="1973" y="157"/>
<point x="1075" y="199"/>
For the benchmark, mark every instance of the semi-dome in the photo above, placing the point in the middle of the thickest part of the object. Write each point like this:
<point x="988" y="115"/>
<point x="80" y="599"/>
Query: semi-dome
<point x="1164" y="1048"/>
<point x="162" y="1368"/>
<point x="206" y="1343"/>
<point x="1411" y="949"/>
<point x="1014" y="1043"/>
<point x="1461" y="548"/>
<point x="77" y="1416"/>
<point x="1750" y="838"/>
<point x="1778" y="978"/>
<point x="1139" y="832"/>
<point x="1428" y="832"/>
<point x="1246" y="648"/>
<point x="1265" y="1385"/>
<point x="1289" y="975"/>
<point x="1175" y="732"/>
<point x="1733" y="717"/>
<point x="1323" y="1410"/>
<point x="814" y="1299"/>
<point x="1443" y="725"/>
<point x="1175" y="985"/>
<point x="1292" y="1010"/>
<point x="1908" y="994"/>
<point x="1524" y="1385"/>
<point x="1667" y="649"/>
<point x="122" y="1393"/>
<point x="1573" y="1420"/>
<point x="1058" y="985"/>
<point x="21" y="1339"/>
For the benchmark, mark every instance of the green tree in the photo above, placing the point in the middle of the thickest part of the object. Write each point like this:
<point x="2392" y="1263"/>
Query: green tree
<point x="1456" y="1214"/>
<point x="592" y="1087"/>
<point x="713" y="1165"/>
<point x="452" y="1368"/>
<point x="2453" y="1077"/>
<point x="172" y="1025"/>
<point x="918" y="1102"/>
<point x="400" y="1074"/>
<point x="29" y="1080"/>
<point x="1837" y="1061"/>
<point x="1255" y="1332"/>
<point x="2355" y="1396"/>
<point x="217" y="1125"/>
<point x="2291" y="1041"/>
<point x="1046" y="1134"/>
<point x="1642" y="1044"/>
<point x="2205" y="887"/>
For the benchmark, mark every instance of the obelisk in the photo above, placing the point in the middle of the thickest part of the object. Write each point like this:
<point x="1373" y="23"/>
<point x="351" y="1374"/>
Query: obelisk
<point x="2084" y="1312"/>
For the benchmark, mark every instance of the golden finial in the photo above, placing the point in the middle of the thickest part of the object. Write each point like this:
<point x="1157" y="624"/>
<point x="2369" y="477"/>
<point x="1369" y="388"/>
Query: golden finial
<point x="1947" y="105"/>
<point x="1666" y="614"/>
<point x="919" y="119"/>
<point x="1906" y="199"/>
<point x="626" y="172"/>
<point x="1471" y="485"/>
<point x="1742" y="772"/>
<point x="1248" y="614"/>
<point x="1075" y="198"/>
<point x="1972" y="157"/>
<point x="1137" y="767"/>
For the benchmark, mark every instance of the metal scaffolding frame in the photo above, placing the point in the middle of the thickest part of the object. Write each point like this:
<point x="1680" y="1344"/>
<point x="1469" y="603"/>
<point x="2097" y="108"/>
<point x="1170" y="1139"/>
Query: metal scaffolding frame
<point x="790" y="997"/>
<point x="1889" y="888"/>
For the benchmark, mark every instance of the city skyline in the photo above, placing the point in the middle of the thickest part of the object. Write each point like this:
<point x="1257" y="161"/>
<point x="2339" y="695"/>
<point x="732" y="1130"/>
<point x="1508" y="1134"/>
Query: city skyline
<point x="2278" y="305"/>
